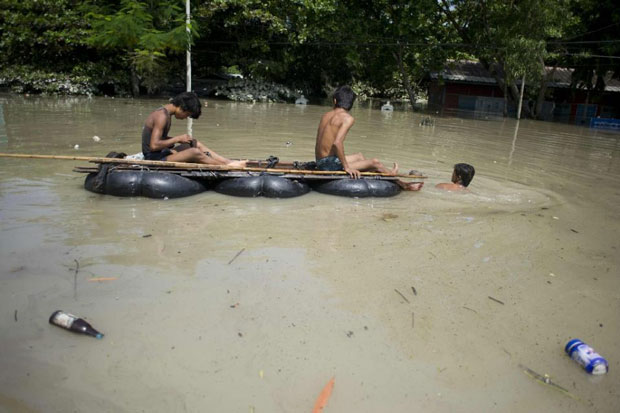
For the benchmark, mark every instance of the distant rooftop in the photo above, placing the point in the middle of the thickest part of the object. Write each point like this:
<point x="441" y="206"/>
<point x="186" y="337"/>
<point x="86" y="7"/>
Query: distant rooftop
<point x="468" y="71"/>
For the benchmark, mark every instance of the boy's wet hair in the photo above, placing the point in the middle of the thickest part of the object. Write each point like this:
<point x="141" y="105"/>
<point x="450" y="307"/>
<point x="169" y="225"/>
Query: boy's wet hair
<point x="188" y="102"/>
<point x="464" y="173"/>
<point x="344" y="97"/>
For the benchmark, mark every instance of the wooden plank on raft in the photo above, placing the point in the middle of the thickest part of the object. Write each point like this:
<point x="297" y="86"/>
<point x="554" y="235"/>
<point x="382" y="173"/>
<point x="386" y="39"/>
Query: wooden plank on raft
<point x="235" y="174"/>
<point x="195" y="166"/>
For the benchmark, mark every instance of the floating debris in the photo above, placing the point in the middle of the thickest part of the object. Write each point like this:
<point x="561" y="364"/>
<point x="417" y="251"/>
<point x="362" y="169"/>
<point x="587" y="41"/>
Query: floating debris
<point x="496" y="300"/>
<point x="388" y="217"/>
<point x="235" y="257"/>
<point x="387" y="107"/>
<point x="323" y="398"/>
<point x="546" y="380"/>
<point x="401" y="294"/>
<point x="470" y="309"/>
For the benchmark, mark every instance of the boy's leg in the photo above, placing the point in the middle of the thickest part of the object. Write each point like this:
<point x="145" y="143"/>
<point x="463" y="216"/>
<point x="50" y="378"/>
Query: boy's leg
<point x="373" y="165"/>
<point x="192" y="155"/>
<point x="218" y="158"/>
<point x="356" y="157"/>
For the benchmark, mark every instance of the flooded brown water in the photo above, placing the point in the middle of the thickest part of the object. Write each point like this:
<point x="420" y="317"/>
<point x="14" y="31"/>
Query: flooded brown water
<point x="315" y="290"/>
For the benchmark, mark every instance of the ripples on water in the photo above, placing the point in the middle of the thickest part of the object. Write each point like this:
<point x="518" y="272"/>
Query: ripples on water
<point x="544" y="199"/>
<point x="515" y="161"/>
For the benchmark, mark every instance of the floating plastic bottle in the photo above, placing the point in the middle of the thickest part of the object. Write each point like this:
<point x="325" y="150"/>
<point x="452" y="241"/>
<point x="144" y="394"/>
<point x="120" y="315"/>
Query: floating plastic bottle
<point x="585" y="355"/>
<point x="73" y="323"/>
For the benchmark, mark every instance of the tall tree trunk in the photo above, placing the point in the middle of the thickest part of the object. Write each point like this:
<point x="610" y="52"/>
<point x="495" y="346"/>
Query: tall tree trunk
<point x="543" y="89"/>
<point x="505" y="101"/>
<point x="502" y="84"/>
<point x="404" y="76"/>
<point x="135" y="83"/>
<point x="521" y="98"/>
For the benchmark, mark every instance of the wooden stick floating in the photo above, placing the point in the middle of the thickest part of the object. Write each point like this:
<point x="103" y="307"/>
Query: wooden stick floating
<point x="401" y="294"/>
<point x="496" y="300"/>
<point x="235" y="257"/>
<point x="188" y="165"/>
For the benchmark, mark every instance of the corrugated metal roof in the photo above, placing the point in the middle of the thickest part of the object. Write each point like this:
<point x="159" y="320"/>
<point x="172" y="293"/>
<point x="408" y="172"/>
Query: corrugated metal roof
<point x="468" y="71"/>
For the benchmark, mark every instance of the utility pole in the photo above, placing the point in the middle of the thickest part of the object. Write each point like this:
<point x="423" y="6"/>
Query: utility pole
<point x="521" y="97"/>
<point x="188" y="59"/>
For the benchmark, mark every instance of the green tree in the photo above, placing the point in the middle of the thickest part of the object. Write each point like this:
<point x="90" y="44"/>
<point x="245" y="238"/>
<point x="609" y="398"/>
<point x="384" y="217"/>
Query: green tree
<point x="147" y="34"/>
<point x="41" y="33"/>
<point x="511" y="38"/>
<point x="592" y="48"/>
<point x="399" y="42"/>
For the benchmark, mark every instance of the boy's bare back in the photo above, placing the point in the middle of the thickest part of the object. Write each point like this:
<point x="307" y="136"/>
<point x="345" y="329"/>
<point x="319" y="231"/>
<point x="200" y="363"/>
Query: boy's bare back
<point x="334" y="126"/>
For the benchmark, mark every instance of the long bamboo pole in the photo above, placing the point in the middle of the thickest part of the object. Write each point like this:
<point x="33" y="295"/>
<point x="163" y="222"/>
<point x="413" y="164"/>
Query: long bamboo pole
<point x="187" y="165"/>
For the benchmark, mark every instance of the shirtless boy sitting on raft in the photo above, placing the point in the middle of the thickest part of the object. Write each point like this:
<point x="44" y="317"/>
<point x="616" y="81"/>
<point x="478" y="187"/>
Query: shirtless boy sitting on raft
<point x="158" y="146"/>
<point x="461" y="177"/>
<point x="329" y="149"/>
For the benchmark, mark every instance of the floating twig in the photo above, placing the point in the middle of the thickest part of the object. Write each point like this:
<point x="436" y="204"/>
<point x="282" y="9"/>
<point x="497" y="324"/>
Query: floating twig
<point x="103" y="279"/>
<point x="575" y="231"/>
<point x="496" y="300"/>
<point x="15" y="316"/>
<point x="235" y="257"/>
<point x="401" y="294"/>
<point x="77" y="269"/>
<point x="470" y="309"/>
<point x="414" y="290"/>
<point x="546" y="380"/>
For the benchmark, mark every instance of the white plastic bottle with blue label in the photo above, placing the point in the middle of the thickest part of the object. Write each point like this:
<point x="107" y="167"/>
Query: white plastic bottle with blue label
<point x="585" y="355"/>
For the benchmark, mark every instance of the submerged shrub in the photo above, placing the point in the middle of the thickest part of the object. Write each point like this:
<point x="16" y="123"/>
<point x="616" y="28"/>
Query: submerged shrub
<point x="22" y="79"/>
<point x="250" y="90"/>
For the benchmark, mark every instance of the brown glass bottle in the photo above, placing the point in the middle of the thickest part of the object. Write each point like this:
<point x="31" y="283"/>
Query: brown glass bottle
<point x="73" y="323"/>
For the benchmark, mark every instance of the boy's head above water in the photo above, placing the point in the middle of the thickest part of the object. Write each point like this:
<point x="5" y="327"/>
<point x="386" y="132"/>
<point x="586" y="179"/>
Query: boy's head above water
<point x="463" y="174"/>
<point x="344" y="98"/>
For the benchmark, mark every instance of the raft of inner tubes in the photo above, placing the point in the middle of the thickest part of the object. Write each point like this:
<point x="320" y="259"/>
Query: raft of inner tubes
<point x="161" y="185"/>
<point x="125" y="181"/>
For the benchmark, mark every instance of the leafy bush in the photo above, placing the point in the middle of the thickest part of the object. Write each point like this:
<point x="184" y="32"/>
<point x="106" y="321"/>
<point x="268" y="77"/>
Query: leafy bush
<point x="23" y="79"/>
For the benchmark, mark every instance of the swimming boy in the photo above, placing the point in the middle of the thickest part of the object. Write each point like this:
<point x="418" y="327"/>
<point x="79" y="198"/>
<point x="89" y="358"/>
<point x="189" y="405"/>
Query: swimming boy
<point x="461" y="177"/>
<point x="329" y="149"/>
<point x="158" y="146"/>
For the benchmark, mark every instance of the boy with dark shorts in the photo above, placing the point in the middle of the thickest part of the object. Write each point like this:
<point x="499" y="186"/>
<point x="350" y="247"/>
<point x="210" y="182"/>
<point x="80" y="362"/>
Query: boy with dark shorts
<point x="461" y="177"/>
<point x="158" y="146"/>
<point x="329" y="149"/>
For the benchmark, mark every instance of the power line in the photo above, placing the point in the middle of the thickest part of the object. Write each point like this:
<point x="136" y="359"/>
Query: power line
<point x="591" y="55"/>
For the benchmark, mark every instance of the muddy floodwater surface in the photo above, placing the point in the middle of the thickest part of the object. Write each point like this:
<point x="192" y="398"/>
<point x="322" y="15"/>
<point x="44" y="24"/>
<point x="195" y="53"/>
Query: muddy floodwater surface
<point x="428" y="301"/>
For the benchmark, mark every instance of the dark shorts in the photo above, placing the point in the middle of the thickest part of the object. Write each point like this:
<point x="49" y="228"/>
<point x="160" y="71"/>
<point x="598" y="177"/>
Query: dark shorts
<point x="157" y="155"/>
<point x="329" y="163"/>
